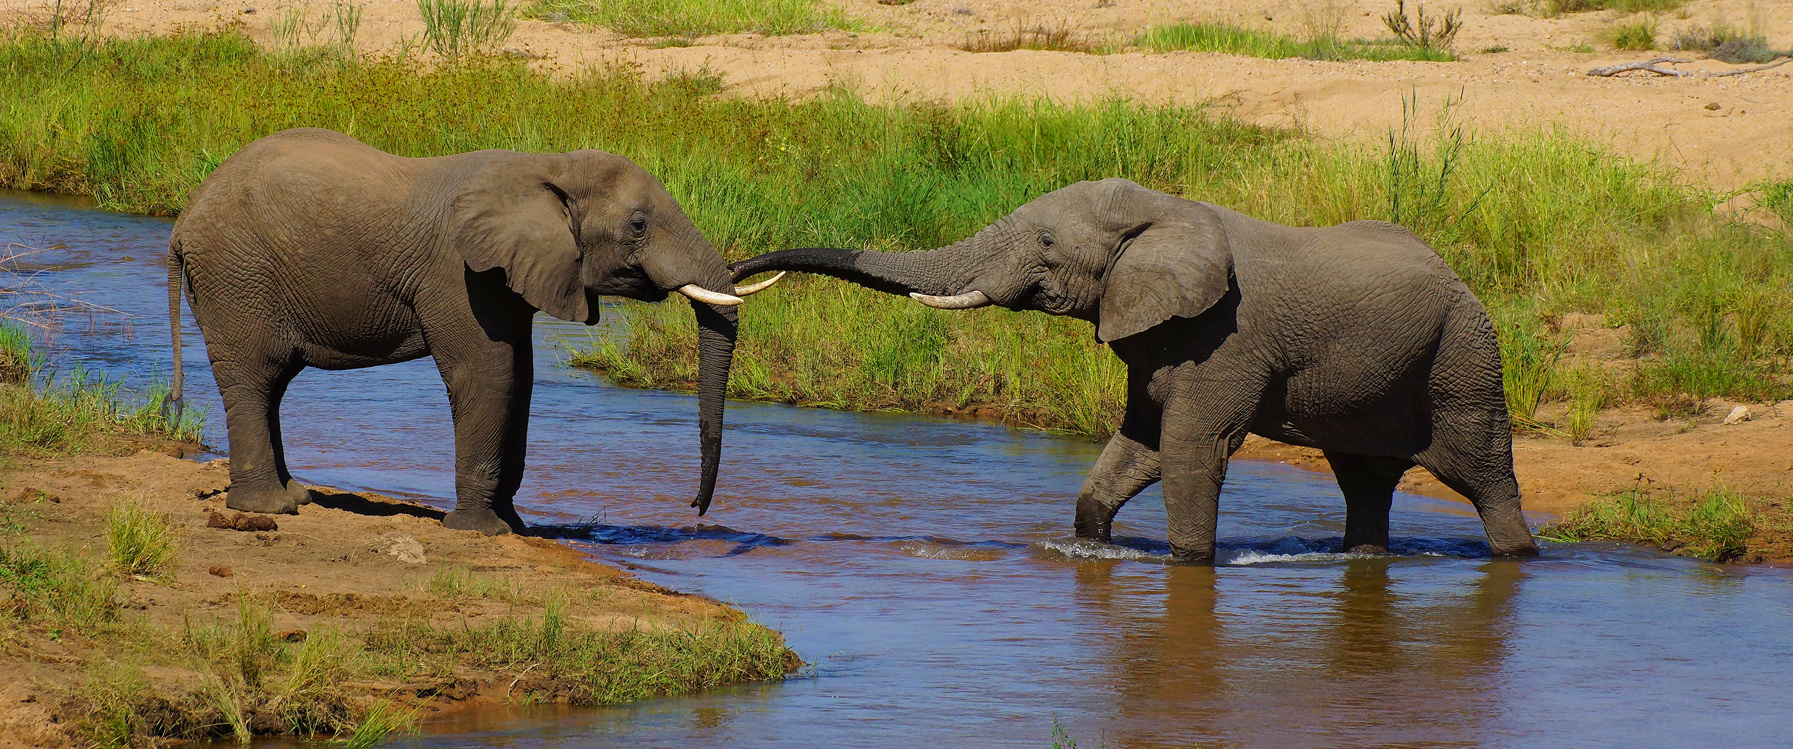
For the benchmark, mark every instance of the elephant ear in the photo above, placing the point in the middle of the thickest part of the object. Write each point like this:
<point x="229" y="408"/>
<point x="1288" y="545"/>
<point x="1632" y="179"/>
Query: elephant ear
<point x="513" y="216"/>
<point x="1175" y="268"/>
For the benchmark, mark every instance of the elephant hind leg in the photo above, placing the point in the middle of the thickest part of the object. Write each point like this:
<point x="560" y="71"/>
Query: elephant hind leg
<point x="1472" y="453"/>
<point x="1368" y="482"/>
<point x="252" y="388"/>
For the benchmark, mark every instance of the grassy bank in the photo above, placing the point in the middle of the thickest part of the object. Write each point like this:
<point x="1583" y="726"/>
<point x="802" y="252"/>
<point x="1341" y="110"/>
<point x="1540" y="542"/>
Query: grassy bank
<point x="1717" y="525"/>
<point x="1538" y="222"/>
<point x="141" y="678"/>
<point x="75" y="412"/>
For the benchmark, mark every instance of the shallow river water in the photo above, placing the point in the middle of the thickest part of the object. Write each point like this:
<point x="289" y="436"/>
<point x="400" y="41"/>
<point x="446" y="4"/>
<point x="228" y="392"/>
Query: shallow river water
<point x="923" y="567"/>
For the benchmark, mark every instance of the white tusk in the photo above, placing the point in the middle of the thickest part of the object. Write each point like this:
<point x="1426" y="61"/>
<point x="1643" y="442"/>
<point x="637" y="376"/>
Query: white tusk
<point x="709" y="297"/>
<point x="743" y="291"/>
<point x="962" y="301"/>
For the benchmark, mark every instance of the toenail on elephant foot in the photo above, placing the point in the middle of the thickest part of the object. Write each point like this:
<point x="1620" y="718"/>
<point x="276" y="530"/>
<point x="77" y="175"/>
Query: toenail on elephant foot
<point x="484" y="521"/>
<point x="298" y="493"/>
<point x="273" y="500"/>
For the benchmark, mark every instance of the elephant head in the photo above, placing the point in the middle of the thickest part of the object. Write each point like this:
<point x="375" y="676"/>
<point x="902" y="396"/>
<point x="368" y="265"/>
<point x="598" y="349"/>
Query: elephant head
<point x="1110" y="252"/>
<point x="567" y="228"/>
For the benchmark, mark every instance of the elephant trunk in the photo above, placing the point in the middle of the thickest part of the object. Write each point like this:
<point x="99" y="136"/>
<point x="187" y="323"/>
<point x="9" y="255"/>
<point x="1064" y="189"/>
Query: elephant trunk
<point x="716" y="328"/>
<point x="931" y="272"/>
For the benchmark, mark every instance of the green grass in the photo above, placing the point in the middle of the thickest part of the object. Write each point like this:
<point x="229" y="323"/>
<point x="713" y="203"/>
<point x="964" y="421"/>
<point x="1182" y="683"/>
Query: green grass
<point x="140" y="542"/>
<point x="239" y="677"/>
<point x="53" y="590"/>
<point x="1238" y="40"/>
<point x="15" y="354"/>
<point x="457" y="28"/>
<point x="694" y="18"/>
<point x="1554" y="8"/>
<point x="74" y="412"/>
<point x="1508" y="210"/>
<point x="1715" y="525"/>
<point x="1633" y="35"/>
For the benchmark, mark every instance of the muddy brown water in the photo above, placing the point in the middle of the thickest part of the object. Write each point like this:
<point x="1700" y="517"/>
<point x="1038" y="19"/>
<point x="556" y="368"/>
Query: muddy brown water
<point x="923" y="567"/>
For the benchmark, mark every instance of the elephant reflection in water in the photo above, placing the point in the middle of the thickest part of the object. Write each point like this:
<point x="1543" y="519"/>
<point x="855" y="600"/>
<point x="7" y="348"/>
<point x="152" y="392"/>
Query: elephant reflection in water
<point x="1365" y="663"/>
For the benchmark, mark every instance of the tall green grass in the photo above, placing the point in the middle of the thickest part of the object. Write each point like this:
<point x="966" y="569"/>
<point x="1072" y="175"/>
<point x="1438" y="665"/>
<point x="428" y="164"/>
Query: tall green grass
<point x="1538" y="222"/>
<point x="693" y="18"/>
<point x="1238" y="40"/>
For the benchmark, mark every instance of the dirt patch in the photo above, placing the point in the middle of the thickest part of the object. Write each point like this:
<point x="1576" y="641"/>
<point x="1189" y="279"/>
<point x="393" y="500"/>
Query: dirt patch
<point x="1517" y="71"/>
<point x="346" y="563"/>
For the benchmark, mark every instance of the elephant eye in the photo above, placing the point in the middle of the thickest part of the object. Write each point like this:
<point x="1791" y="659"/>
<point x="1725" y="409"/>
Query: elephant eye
<point x="637" y="224"/>
<point x="1046" y="239"/>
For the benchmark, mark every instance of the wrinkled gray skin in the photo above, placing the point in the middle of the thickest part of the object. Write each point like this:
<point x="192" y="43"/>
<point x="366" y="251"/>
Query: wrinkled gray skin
<point x="1355" y="339"/>
<point x="309" y="249"/>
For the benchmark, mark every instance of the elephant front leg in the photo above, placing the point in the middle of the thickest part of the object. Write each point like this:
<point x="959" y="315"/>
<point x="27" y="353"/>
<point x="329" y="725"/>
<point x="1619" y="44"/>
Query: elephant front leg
<point x="491" y="419"/>
<point x="1128" y="465"/>
<point x="1201" y="432"/>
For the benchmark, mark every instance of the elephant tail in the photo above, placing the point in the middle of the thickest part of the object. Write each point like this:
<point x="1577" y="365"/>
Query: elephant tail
<point x="176" y="275"/>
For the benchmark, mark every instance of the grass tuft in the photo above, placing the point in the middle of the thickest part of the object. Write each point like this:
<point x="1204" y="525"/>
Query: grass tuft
<point x="1555" y="8"/>
<point x="694" y="18"/>
<point x="459" y="28"/>
<point x="1422" y="32"/>
<point x="54" y="590"/>
<point x="383" y="720"/>
<point x="1060" y="38"/>
<point x="1238" y="40"/>
<point x="1714" y="525"/>
<point x="140" y="542"/>
<point x="1638" y="34"/>
<point x="15" y="354"/>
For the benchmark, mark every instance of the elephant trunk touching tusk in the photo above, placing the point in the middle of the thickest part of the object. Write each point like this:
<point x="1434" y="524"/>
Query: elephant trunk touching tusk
<point x="969" y="300"/>
<point x="746" y="291"/>
<point x="707" y="296"/>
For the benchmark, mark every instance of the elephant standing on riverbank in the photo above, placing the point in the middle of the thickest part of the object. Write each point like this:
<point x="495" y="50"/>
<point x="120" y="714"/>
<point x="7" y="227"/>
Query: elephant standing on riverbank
<point x="308" y="248"/>
<point x="1355" y="339"/>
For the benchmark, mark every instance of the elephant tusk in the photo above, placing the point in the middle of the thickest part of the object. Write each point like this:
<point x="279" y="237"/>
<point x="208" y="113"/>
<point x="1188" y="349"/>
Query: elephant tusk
<point x="709" y="297"/>
<point x="745" y="291"/>
<point x="962" y="301"/>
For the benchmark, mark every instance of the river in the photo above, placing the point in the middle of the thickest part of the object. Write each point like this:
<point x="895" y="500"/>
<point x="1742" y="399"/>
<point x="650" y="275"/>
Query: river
<point x="923" y="567"/>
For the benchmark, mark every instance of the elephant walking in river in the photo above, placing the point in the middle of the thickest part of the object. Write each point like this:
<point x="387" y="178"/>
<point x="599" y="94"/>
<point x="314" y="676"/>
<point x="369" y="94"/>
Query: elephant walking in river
<point x="1355" y="339"/>
<point x="308" y="248"/>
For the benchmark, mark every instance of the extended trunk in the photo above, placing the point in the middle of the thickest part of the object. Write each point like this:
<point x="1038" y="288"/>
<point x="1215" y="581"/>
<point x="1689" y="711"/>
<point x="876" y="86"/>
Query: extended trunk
<point x="935" y="272"/>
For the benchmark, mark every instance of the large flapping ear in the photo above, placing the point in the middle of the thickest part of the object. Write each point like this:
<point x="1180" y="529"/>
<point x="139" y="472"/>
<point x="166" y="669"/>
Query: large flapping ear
<point x="511" y="215"/>
<point x="1179" y="266"/>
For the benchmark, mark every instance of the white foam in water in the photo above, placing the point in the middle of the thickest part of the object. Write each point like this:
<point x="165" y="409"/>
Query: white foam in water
<point x="1077" y="548"/>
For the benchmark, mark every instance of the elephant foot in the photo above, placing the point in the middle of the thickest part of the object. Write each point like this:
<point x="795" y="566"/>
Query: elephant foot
<point x="269" y="499"/>
<point x="1526" y="549"/>
<point x="297" y="493"/>
<point x="1095" y="521"/>
<point x="1202" y="557"/>
<point x="1365" y="549"/>
<point x="483" y="520"/>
